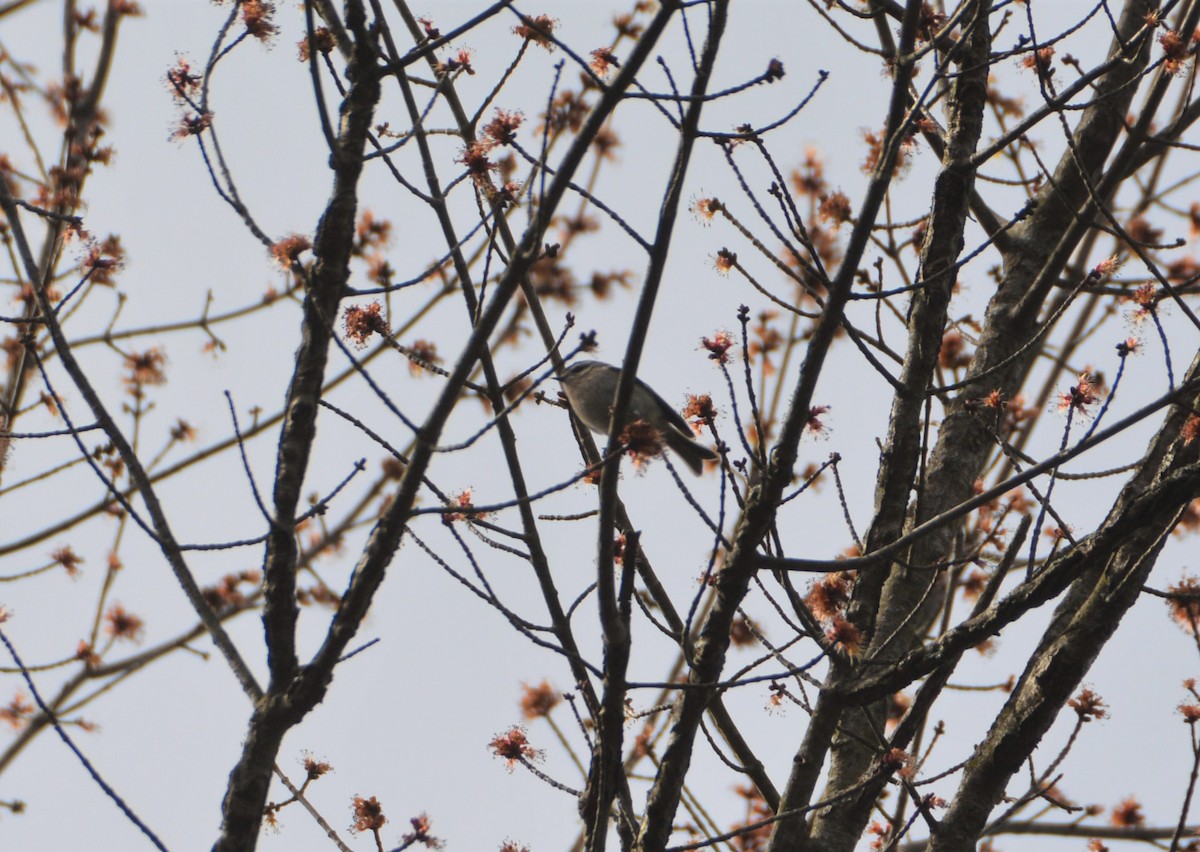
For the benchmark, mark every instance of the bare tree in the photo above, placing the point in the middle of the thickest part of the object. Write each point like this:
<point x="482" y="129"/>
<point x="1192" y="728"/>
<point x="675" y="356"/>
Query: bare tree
<point x="986" y="303"/>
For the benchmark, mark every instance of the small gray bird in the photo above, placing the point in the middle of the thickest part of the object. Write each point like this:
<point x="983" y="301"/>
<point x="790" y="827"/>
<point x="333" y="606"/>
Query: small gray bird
<point x="591" y="386"/>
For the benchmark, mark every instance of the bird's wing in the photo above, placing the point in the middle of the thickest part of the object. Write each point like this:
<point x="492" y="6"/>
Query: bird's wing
<point x="673" y="416"/>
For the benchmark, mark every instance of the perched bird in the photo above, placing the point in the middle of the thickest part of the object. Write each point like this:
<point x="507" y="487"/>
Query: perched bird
<point x="591" y="386"/>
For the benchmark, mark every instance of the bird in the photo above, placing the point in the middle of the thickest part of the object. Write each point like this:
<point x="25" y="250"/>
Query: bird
<point x="591" y="386"/>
